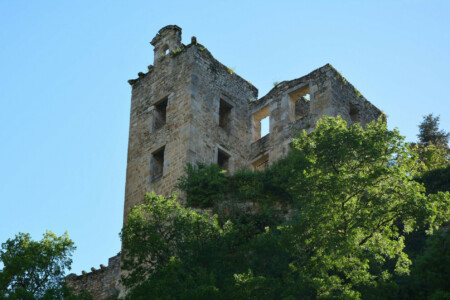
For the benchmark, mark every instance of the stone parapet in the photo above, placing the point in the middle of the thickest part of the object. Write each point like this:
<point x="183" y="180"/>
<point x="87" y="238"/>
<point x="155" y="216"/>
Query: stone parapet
<point x="101" y="283"/>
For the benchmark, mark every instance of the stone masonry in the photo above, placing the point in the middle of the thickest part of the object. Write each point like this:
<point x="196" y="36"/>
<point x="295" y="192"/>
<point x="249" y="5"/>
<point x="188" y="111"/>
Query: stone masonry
<point x="102" y="283"/>
<point x="190" y="108"/>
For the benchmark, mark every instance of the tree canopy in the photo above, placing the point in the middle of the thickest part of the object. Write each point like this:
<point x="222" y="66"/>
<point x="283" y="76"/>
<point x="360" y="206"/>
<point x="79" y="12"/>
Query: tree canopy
<point x="328" y="221"/>
<point x="432" y="148"/>
<point x="35" y="269"/>
<point x="429" y="132"/>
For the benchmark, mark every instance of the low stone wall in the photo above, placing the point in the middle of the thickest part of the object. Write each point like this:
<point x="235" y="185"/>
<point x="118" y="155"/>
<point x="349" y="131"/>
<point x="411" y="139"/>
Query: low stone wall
<point x="102" y="283"/>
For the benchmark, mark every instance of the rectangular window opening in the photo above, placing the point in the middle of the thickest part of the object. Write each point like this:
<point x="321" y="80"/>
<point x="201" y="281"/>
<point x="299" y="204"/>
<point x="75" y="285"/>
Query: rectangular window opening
<point x="160" y="113"/>
<point x="354" y="113"/>
<point x="158" y="164"/>
<point x="299" y="103"/>
<point x="223" y="160"/>
<point x="224" y="115"/>
<point x="261" y="163"/>
<point x="261" y="123"/>
<point x="265" y="126"/>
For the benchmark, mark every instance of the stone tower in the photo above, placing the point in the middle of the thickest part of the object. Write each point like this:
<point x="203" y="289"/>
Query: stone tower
<point x="187" y="108"/>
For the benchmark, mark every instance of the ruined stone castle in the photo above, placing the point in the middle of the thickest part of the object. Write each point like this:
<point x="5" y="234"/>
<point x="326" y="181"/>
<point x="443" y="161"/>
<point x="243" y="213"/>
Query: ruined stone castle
<point x="191" y="108"/>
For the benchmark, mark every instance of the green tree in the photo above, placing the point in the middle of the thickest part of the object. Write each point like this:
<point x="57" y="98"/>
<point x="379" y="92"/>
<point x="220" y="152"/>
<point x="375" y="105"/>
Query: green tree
<point x="35" y="269"/>
<point x="172" y="252"/>
<point x="429" y="132"/>
<point x="204" y="184"/>
<point x="432" y="148"/>
<point x="356" y="199"/>
<point x="157" y="235"/>
<point x="430" y="157"/>
<point x="437" y="180"/>
<point x="431" y="269"/>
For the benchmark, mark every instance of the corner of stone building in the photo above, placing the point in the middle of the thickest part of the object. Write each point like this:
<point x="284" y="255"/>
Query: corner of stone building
<point x="349" y="102"/>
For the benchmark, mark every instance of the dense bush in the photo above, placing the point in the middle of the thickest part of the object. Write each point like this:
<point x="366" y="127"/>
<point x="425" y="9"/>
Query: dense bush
<point x="204" y="184"/>
<point x="437" y="180"/>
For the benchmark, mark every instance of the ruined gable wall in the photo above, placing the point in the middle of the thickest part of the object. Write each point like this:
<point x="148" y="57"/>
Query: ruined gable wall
<point x="348" y="101"/>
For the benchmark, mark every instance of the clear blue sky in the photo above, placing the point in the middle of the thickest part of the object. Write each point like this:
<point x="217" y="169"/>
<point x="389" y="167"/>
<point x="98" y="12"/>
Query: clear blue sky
<point x="65" y="100"/>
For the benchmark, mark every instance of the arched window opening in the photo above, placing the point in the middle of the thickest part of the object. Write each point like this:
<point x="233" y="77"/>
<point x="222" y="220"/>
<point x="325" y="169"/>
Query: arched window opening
<point x="165" y="50"/>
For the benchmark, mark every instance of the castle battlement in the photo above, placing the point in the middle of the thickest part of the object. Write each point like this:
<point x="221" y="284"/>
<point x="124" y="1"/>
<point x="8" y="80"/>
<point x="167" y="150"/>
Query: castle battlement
<point x="101" y="283"/>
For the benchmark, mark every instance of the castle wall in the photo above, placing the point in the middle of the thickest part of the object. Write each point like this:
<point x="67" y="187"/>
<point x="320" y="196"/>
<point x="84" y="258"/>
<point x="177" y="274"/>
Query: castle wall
<point x="102" y="283"/>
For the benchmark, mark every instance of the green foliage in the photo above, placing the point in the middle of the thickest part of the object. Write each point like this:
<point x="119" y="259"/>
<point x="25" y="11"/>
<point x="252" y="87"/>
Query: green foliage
<point x="433" y="267"/>
<point x="159" y="230"/>
<point x="429" y="132"/>
<point x="204" y="185"/>
<point x="208" y="185"/>
<point x="177" y="253"/>
<point x="83" y="295"/>
<point x="174" y="281"/>
<point x="230" y="70"/>
<point x="430" y="156"/>
<point x="431" y="270"/>
<point x="328" y="221"/>
<point x="432" y="148"/>
<point x="358" y="94"/>
<point x="246" y="185"/>
<point x="433" y="172"/>
<point x="35" y="269"/>
<point x="437" y="180"/>
<point x="176" y="52"/>
<point x="352" y="195"/>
